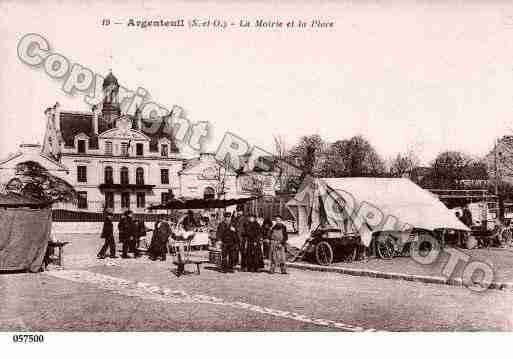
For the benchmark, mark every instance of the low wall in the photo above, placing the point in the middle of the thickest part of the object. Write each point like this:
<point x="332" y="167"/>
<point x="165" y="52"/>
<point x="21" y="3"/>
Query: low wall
<point x="85" y="227"/>
<point x="95" y="228"/>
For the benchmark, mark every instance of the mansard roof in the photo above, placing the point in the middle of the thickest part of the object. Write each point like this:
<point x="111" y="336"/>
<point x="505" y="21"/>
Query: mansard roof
<point x="161" y="132"/>
<point x="72" y="123"/>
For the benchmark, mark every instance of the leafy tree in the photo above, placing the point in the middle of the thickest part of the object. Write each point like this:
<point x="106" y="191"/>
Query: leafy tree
<point x="354" y="157"/>
<point x="450" y="168"/>
<point x="33" y="180"/>
<point x="307" y="154"/>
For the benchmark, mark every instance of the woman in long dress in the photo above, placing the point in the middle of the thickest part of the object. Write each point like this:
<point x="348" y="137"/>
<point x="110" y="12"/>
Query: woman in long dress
<point x="253" y="233"/>
<point x="152" y="250"/>
<point x="278" y="242"/>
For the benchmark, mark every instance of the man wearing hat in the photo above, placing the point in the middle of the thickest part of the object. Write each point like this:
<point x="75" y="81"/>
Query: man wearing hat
<point x="125" y="228"/>
<point x="239" y="222"/>
<point x="228" y="237"/>
<point x="108" y="235"/>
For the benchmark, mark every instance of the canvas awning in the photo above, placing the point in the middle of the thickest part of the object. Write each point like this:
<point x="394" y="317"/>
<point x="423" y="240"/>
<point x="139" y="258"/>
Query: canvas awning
<point x="369" y="205"/>
<point x="198" y="203"/>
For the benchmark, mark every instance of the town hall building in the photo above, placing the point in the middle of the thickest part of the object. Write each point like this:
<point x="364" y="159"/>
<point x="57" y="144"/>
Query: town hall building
<point x="114" y="161"/>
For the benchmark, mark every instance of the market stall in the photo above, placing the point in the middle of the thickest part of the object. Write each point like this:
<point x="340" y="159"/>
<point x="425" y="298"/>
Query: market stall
<point x="205" y="233"/>
<point x="338" y="217"/>
<point x="26" y="225"/>
<point x="199" y="203"/>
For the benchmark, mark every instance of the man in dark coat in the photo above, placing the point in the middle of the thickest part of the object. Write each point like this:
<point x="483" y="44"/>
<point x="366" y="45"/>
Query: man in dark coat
<point x="126" y="235"/>
<point x="162" y="234"/>
<point x="227" y="235"/>
<point x="239" y="223"/>
<point x="139" y="230"/>
<point x="152" y="250"/>
<point x="253" y="235"/>
<point x="108" y="235"/>
<point x="135" y="238"/>
<point x="189" y="222"/>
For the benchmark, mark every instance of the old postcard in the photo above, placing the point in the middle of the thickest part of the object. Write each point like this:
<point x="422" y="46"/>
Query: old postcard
<point x="255" y="166"/>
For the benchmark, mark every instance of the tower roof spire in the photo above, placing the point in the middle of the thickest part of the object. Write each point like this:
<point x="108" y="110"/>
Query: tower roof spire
<point x="110" y="80"/>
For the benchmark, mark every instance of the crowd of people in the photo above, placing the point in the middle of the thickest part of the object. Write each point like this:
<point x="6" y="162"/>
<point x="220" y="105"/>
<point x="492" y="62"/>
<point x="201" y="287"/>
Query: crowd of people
<point x="130" y="233"/>
<point x="243" y="240"/>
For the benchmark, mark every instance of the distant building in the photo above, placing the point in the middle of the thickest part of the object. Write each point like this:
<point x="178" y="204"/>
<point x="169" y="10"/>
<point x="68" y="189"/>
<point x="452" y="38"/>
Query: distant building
<point x="205" y="177"/>
<point x="29" y="153"/>
<point x="500" y="160"/>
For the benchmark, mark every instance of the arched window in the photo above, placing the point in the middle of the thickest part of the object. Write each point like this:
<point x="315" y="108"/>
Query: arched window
<point x="139" y="175"/>
<point x="209" y="193"/>
<point x="109" y="177"/>
<point x="124" y="175"/>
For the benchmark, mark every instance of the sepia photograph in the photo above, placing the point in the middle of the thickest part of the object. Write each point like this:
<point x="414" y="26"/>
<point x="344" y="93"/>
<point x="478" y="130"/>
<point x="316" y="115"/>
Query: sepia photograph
<point x="261" y="166"/>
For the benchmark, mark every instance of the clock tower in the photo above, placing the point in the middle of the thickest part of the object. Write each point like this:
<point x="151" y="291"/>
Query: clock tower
<point x="111" y="110"/>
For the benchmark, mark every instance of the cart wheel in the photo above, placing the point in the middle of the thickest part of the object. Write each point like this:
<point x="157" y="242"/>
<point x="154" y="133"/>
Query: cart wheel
<point x="324" y="253"/>
<point x="349" y="253"/>
<point x="385" y="248"/>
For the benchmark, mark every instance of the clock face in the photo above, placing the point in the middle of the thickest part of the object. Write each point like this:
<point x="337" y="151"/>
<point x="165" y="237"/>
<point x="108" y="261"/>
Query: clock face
<point x="208" y="173"/>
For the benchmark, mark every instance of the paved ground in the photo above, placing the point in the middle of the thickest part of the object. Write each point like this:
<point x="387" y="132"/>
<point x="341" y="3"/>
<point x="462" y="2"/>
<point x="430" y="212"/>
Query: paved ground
<point x="138" y="294"/>
<point x="500" y="260"/>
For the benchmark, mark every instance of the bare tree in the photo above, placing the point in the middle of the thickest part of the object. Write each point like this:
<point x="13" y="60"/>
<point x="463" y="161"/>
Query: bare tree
<point x="280" y="147"/>
<point x="220" y="177"/>
<point x="280" y="157"/>
<point x="404" y="164"/>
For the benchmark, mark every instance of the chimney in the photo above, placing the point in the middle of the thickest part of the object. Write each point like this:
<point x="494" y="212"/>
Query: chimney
<point x="95" y="119"/>
<point x="138" y="118"/>
<point x="48" y="114"/>
<point x="30" y="148"/>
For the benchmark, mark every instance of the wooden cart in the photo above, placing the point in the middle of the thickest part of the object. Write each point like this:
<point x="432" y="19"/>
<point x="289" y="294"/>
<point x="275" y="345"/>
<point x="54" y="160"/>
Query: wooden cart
<point x="328" y="245"/>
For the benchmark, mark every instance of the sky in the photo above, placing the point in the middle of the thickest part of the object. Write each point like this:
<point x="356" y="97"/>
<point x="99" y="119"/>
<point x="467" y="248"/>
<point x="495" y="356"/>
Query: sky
<point x="421" y="76"/>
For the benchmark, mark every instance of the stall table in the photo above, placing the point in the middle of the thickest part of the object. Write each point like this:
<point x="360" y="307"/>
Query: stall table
<point x="59" y="258"/>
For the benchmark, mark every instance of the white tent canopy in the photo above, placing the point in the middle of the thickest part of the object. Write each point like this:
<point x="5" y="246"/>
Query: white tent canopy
<point x="369" y="205"/>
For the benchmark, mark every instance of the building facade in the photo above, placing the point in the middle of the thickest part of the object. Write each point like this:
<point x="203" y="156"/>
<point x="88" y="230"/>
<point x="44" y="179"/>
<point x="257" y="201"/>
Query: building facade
<point x="114" y="160"/>
<point x="121" y="161"/>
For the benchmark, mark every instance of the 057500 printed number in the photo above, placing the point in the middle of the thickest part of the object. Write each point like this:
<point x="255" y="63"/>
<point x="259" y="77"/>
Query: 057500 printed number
<point x="28" y="338"/>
